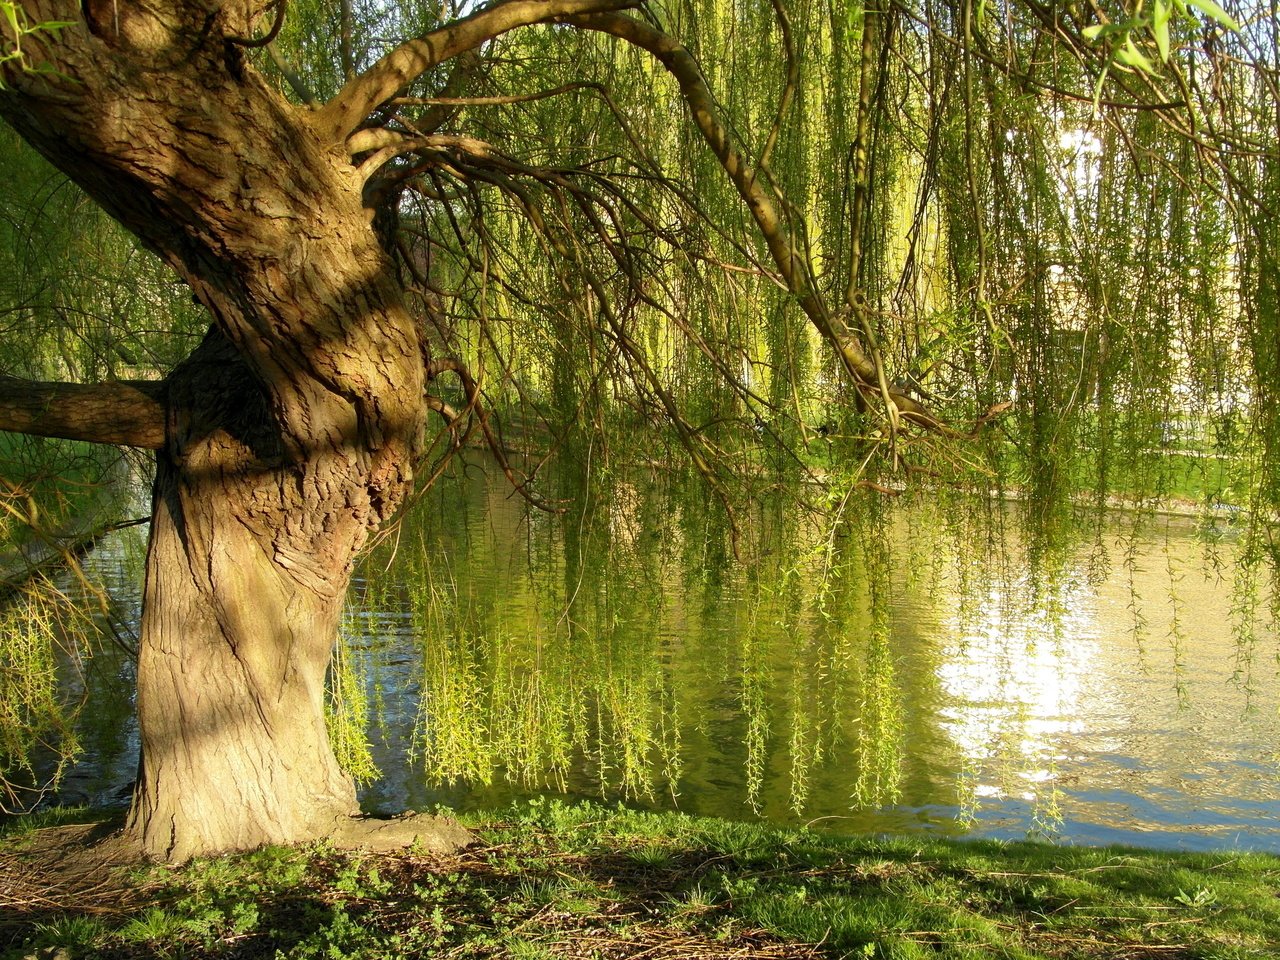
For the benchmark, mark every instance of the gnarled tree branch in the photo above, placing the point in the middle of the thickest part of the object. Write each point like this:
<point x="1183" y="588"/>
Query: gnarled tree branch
<point x="399" y="68"/>
<point x="128" y="413"/>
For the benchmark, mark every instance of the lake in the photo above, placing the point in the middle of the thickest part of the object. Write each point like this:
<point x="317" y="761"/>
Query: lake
<point x="919" y="666"/>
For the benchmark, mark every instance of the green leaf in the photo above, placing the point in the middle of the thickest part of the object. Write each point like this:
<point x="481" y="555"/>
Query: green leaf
<point x="1131" y="56"/>
<point x="1097" y="90"/>
<point x="1161" y="32"/>
<point x="1103" y="30"/>
<point x="48" y="70"/>
<point x="1211" y="9"/>
<point x="1161" y="11"/>
<point x="11" y="14"/>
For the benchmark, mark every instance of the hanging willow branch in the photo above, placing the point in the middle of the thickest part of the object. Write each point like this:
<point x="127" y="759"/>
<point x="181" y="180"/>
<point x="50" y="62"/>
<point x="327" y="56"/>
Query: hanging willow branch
<point x="966" y="102"/>
<point x="477" y="415"/>
<point x="790" y="257"/>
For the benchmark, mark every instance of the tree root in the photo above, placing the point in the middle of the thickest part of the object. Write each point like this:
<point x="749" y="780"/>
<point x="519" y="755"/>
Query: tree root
<point x="84" y="867"/>
<point x="424" y="832"/>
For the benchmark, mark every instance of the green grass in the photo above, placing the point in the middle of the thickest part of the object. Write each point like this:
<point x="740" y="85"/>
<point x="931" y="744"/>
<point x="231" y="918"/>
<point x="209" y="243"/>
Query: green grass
<point x="15" y="830"/>
<point x="556" y="880"/>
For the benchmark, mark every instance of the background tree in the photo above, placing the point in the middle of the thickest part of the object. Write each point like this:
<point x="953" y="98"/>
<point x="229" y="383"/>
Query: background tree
<point x="966" y="206"/>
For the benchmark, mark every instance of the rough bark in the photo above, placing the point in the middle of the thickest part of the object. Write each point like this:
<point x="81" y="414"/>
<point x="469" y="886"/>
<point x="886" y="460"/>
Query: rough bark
<point x="289" y="434"/>
<point x="237" y="633"/>
<point x="129" y="413"/>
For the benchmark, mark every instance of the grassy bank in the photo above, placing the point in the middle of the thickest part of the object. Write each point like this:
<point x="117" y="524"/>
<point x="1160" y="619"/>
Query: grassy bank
<point x="555" y="880"/>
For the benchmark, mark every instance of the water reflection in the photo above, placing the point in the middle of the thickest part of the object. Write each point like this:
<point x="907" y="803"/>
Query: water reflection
<point x="904" y="670"/>
<point x="1127" y="713"/>
<point x="1016" y="677"/>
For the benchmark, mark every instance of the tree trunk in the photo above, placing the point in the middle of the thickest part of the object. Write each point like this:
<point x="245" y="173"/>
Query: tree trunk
<point x="231" y="678"/>
<point x="237" y="630"/>
<point x="289" y="434"/>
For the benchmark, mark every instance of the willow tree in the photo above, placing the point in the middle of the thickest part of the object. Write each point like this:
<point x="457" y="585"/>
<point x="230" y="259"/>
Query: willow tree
<point x="341" y="205"/>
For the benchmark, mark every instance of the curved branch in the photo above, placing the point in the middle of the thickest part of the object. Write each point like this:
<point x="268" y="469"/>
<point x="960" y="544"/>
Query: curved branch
<point x="128" y="413"/>
<point x="496" y="101"/>
<point x="792" y="264"/>
<point x="789" y="88"/>
<point x="786" y="249"/>
<point x="399" y="68"/>
<point x="271" y="34"/>
<point x="388" y="144"/>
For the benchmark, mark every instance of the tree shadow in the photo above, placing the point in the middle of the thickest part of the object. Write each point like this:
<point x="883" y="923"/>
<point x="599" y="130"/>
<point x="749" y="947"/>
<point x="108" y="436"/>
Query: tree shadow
<point x="320" y="901"/>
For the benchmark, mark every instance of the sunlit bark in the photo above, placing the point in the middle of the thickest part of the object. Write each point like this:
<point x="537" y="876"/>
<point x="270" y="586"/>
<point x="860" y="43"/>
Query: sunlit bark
<point x="130" y="414"/>
<point x="290" y="433"/>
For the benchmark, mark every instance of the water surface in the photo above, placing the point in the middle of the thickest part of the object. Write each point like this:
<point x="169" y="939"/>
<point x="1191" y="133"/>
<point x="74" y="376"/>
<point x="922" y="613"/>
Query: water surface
<point x="915" y="669"/>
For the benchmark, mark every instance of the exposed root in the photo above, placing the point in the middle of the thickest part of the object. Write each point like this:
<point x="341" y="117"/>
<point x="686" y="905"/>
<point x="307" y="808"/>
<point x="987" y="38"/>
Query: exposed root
<point x="438" y="836"/>
<point x="80" y="867"/>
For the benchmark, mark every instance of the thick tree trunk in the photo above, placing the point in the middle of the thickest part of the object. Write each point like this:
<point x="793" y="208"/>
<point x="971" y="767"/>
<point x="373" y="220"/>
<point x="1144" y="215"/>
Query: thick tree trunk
<point x="231" y="678"/>
<point x="291" y="432"/>
<point x="237" y="629"/>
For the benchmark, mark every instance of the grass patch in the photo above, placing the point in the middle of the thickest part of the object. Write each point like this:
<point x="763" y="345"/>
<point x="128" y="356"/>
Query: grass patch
<point x="557" y="880"/>
<point x="16" y="828"/>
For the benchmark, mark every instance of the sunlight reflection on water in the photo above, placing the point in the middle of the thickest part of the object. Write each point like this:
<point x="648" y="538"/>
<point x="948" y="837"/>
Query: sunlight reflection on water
<point x="1148" y="736"/>
<point x="1092" y="708"/>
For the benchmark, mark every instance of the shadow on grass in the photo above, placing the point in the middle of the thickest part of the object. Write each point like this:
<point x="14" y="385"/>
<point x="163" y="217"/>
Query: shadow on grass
<point x="586" y="881"/>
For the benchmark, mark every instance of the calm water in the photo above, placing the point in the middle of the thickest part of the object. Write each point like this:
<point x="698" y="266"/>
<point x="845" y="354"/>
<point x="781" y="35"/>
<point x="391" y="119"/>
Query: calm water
<point x="903" y="672"/>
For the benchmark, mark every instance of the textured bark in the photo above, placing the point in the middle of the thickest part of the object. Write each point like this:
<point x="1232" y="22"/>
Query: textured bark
<point x="289" y="434"/>
<point x="128" y="413"/>
<point x="237" y="632"/>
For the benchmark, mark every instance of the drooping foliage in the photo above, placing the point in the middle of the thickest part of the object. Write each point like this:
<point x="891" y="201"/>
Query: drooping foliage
<point x="996" y="201"/>
<point x="81" y="302"/>
<point x="1020" y="249"/>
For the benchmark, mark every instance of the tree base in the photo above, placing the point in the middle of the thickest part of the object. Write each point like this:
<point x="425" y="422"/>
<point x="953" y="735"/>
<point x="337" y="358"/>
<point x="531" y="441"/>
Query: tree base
<point x="427" y="834"/>
<point x="67" y="863"/>
<point x="87" y="867"/>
